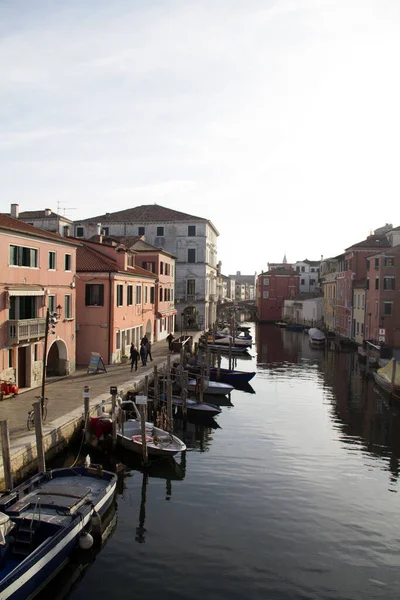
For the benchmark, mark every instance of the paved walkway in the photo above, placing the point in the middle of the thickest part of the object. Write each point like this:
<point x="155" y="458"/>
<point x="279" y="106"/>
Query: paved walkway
<point x="66" y="394"/>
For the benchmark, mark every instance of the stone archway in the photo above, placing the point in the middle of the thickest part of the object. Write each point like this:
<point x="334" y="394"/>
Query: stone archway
<point x="190" y="318"/>
<point x="57" y="359"/>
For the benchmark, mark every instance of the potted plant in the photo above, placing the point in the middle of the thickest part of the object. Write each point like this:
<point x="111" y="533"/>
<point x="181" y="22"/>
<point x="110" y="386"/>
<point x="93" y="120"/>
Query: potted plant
<point x="124" y="358"/>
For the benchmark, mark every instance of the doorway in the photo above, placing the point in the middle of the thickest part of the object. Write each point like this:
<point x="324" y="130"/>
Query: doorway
<point x="22" y="366"/>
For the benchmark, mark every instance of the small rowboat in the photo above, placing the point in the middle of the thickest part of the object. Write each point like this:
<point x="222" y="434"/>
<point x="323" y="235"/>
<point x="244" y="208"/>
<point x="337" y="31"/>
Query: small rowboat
<point x="213" y="387"/>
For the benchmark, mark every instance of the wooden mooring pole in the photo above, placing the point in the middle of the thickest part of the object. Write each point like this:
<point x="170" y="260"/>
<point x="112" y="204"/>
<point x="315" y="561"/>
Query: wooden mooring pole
<point x="218" y="365"/>
<point x="393" y="380"/>
<point x="142" y="410"/>
<point x="86" y="408"/>
<point x="37" y="407"/>
<point x="114" y="391"/>
<point x="5" y="449"/>
<point x="184" y="394"/>
<point x="155" y="403"/>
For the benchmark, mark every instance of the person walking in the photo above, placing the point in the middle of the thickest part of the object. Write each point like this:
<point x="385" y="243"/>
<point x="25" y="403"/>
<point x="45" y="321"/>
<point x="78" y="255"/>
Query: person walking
<point x="143" y="355"/>
<point x="144" y="340"/>
<point x="148" y="350"/>
<point x="134" y="354"/>
<point x="170" y="338"/>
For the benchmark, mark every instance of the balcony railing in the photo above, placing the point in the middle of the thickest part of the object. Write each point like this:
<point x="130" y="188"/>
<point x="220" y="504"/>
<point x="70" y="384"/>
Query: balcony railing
<point x="23" y="330"/>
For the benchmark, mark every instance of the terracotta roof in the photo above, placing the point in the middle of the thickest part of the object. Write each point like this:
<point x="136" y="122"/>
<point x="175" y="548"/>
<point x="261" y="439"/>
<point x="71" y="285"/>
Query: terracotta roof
<point x="41" y="214"/>
<point x="142" y="246"/>
<point x="373" y="241"/>
<point x="312" y="263"/>
<point x="15" y="225"/>
<point x="146" y="213"/>
<point x="91" y="259"/>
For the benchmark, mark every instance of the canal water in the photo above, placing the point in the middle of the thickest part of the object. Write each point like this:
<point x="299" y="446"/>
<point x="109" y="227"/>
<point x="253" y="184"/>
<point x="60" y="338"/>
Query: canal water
<point x="292" y="496"/>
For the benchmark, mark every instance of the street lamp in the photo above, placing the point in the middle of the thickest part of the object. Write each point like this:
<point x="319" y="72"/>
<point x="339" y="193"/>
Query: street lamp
<point x="51" y="320"/>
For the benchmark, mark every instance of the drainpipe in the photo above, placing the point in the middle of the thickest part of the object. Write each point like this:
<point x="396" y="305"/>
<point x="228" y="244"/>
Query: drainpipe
<point x="109" y="316"/>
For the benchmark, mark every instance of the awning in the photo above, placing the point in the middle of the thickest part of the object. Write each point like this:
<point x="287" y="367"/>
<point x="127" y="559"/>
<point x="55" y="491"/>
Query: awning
<point x="26" y="290"/>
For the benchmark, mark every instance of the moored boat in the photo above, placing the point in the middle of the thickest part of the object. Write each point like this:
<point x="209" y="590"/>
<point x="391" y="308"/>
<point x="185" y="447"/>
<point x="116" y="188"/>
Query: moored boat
<point x="42" y="521"/>
<point x="226" y="348"/>
<point x="316" y="336"/>
<point x="232" y="377"/>
<point x="388" y="378"/>
<point x="212" y="387"/>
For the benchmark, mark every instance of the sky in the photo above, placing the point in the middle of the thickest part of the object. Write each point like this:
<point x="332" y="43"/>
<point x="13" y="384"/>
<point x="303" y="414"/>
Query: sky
<point x="278" y="120"/>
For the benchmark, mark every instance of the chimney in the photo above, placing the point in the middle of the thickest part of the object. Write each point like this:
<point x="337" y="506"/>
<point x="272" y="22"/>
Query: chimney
<point x="98" y="232"/>
<point x="47" y="212"/>
<point x="15" y="210"/>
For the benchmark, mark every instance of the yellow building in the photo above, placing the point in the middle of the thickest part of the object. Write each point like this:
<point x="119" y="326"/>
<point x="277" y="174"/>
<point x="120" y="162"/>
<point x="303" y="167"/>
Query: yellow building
<point x="329" y="287"/>
<point x="358" y="312"/>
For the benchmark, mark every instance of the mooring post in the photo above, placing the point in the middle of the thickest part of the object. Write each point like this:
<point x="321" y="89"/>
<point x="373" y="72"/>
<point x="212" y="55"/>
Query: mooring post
<point x="37" y="407"/>
<point x="230" y="354"/>
<point x="181" y="356"/>
<point x="201" y="390"/>
<point x="86" y="408"/>
<point x="393" y="380"/>
<point x="219" y="365"/>
<point x="5" y="448"/>
<point x="146" y="393"/>
<point x="196" y="349"/>
<point x="155" y="403"/>
<point x="184" y="394"/>
<point x="113" y="392"/>
<point x="142" y="409"/>
<point x="208" y="363"/>
<point x="367" y="363"/>
<point x="169" y="406"/>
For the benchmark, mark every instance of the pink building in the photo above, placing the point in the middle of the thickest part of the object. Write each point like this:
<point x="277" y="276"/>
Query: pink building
<point x="38" y="270"/>
<point x="273" y="288"/>
<point x="115" y="301"/>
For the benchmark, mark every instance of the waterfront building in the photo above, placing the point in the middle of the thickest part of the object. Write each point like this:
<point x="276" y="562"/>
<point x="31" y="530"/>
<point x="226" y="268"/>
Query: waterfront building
<point x="44" y="219"/>
<point x="115" y="301"/>
<point x="245" y="286"/>
<point x="309" y="275"/>
<point x="193" y="240"/>
<point x="273" y="287"/>
<point x="38" y="271"/>
<point x="328" y="274"/>
<point x="358" y="311"/>
<point x="305" y="309"/>
<point x="382" y="312"/>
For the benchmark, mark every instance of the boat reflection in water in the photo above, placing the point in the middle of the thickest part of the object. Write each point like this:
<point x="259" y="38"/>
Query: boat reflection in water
<point x="71" y="575"/>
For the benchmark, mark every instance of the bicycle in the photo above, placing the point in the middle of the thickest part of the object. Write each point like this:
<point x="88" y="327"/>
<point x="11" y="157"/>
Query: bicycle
<point x="31" y="413"/>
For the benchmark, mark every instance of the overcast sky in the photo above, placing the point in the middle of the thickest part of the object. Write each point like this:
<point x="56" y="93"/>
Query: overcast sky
<point x="279" y="120"/>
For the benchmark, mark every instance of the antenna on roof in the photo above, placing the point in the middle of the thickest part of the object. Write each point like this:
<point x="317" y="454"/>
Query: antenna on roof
<point x="59" y="202"/>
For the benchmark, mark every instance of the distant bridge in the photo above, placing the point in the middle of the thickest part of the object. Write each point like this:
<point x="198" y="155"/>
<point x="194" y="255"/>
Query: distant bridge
<point x="228" y="308"/>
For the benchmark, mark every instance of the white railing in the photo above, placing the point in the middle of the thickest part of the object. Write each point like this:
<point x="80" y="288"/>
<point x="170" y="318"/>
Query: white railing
<point x="26" y="329"/>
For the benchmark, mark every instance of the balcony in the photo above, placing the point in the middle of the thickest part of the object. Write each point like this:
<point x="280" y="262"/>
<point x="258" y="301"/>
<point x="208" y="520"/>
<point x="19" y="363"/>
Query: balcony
<point x="24" y="330"/>
<point x="190" y="299"/>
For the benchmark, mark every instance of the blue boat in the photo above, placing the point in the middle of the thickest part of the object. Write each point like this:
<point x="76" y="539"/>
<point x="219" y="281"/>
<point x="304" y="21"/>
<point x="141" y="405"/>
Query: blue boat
<point x="42" y="521"/>
<point x="235" y="378"/>
<point x="295" y="328"/>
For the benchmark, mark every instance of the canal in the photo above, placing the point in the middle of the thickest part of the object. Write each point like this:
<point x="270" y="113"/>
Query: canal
<point x="292" y="496"/>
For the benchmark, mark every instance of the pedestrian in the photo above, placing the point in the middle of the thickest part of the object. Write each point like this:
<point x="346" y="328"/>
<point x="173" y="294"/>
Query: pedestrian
<point x="143" y="355"/>
<point x="170" y="339"/>
<point x="148" y="350"/>
<point x="134" y="354"/>
<point x="144" y="340"/>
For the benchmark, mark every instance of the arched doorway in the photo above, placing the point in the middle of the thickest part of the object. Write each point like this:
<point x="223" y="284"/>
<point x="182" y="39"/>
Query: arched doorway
<point x="57" y="359"/>
<point x="149" y="330"/>
<point x="190" y="317"/>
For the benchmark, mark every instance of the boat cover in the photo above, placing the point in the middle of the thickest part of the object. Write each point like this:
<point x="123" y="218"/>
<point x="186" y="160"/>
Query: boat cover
<point x="316" y="334"/>
<point x="5" y="527"/>
<point x="387" y="371"/>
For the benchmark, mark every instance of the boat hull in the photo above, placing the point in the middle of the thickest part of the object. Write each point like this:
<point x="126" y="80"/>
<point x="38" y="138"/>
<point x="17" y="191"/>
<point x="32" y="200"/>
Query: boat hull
<point x="386" y="386"/>
<point x="35" y="572"/>
<point x="136" y="446"/>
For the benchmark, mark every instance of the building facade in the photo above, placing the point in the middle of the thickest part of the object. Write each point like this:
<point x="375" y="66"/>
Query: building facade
<point x="308" y="270"/>
<point x="115" y="302"/>
<point x="193" y="240"/>
<point x="273" y="288"/>
<point x="304" y="311"/>
<point x="39" y="273"/>
<point x="44" y="219"/>
<point x="245" y="286"/>
<point x="358" y="311"/>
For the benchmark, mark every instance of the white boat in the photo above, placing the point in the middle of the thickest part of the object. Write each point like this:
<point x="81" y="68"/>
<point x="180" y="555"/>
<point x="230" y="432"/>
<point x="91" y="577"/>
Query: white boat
<point x="213" y="387"/>
<point x="159" y="442"/>
<point x="316" y="336"/>
<point x="237" y="341"/>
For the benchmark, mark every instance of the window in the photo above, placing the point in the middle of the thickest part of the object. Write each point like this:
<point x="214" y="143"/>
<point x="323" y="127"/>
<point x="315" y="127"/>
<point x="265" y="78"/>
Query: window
<point x="94" y="294"/>
<point x="160" y="294"/>
<point x="160" y="231"/>
<point x="266" y="281"/>
<point x="68" y="306"/>
<point x="152" y="295"/>
<point x="172" y="294"/>
<point x="146" y="297"/>
<point x="106" y="230"/>
<point x="141" y="230"/>
<point x="312" y="270"/>
<point x="389" y="283"/>
<point x="358" y="328"/>
<point x="68" y="262"/>
<point x="388" y="309"/>
<point x="120" y="295"/>
<point x="302" y="281"/>
<point x="138" y="294"/>
<point x="363" y="301"/>
<point x="10" y="358"/>
<point x="298" y="269"/>
<point x="161" y="268"/>
<point x="52" y="261"/>
<point x="191" y="255"/>
<point x="377" y="263"/>
<point x="191" y="287"/>
<point x="377" y="283"/>
<point x="303" y="269"/>
<point x="312" y="281"/>
<point x="118" y="340"/>
<point x="389" y="261"/>
<point x="79" y="231"/>
<point x="129" y="295"/>
<point x="167" y="269"/>
<point x="191" y="230"/>
<point x="367" y="264"/>
<point x="377" y="307"/>
<point x="367" y="283"/>
<point x="23" y="257"/>
<point x="362" y="328"/>
<point x="51" y="303"/>
<point x="36" y="352"/>
<point x="130" y="260"/>
<point x="265" y="294"/>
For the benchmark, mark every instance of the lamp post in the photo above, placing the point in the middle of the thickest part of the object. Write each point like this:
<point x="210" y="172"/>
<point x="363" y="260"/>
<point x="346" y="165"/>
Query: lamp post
<point x="51" y="320"/>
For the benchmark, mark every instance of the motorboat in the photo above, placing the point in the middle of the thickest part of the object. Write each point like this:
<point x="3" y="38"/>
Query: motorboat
<point x="230" y="376"/>
<point x="388" y="378"/>
<point x="158" y="441"/>
<point x="211" y="387"/>
<point x="43" y="520"/>
<point x="316" y="336"/>
<point x="246" y="342"/>
<point x="226" y="348"/>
